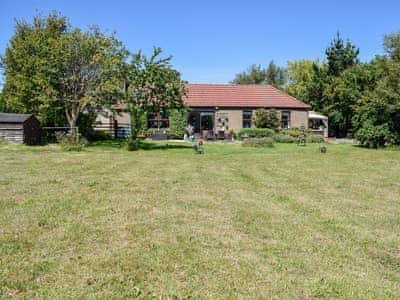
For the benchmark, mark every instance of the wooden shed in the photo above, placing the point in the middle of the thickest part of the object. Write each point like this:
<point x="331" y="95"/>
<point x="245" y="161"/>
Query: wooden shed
<point x="20" y="128"/>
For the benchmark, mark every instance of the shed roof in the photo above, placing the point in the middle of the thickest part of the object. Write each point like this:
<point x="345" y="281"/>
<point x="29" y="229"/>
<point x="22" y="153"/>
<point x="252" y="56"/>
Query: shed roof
<point x="14" y="118"/>
<point x="233" y="95"/>
<point x="316" y="116"/>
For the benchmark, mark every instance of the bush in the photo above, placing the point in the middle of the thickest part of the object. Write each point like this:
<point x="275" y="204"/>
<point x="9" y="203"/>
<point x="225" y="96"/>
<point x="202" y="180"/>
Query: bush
<point x="283" y="138"/>
<point x="257" y="132"/>
<point x="259" y="142"/>
<point x="99" y="135"/>
<point x="85" y="124"/>
<point x="70" y="143"/>
<point x="294" y="132"/>
<point x="266" y="119"/>
<point x="315" y="139"/>
<point x="374" y="136"/>
<point x="177" y="123"/>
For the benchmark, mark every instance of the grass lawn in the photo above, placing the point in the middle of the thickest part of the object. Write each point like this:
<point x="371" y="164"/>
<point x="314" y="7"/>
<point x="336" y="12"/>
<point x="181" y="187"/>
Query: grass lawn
<point x="236" y="222"/>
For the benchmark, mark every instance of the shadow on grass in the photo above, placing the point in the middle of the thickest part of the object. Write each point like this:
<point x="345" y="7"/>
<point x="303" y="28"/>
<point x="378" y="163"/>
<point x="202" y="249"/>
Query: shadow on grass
<point x="162" y="146"/>
<point x="144" y="145"/>
<point x="113" y="144"/>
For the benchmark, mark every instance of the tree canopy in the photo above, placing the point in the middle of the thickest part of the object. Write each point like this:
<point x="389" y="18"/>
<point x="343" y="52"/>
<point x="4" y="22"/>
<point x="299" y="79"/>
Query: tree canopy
<point x="256" y="74"/>
<point x="391" y="44"/>
<point x="341" y="56"/>
<point x="152" y="85"/>
<point x="51" y="66"/>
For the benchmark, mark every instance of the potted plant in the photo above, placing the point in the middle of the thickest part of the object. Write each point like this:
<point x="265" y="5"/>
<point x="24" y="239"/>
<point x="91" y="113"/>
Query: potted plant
<point x="232" y="134"/>
<point x="244" y="137"/>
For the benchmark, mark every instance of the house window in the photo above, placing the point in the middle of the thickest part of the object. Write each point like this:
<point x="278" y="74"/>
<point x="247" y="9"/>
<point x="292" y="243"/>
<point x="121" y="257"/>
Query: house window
<point x="285" y="119"/>
<point x="157" y="120"/>
<point x="247" y="114"/>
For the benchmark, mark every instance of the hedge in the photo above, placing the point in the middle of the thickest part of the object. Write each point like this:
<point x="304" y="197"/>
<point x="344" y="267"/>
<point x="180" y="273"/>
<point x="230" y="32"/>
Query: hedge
<point x="257" y="132"/>
<point x="259" y="142"/>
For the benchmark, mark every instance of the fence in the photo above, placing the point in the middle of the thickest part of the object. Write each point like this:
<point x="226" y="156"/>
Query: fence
<point x="114" y="130"/>
<point x="49" y="134"/>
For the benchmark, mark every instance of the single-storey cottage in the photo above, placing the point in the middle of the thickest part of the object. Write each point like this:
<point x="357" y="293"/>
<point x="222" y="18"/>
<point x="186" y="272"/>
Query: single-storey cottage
<point x="224" y="107"/>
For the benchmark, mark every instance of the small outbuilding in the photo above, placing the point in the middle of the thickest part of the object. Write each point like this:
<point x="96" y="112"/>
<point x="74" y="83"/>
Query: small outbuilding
<point x="20" y="128"/>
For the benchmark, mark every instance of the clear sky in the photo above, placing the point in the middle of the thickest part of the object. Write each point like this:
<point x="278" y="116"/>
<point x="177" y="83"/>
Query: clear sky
<point x="211" y="41"/>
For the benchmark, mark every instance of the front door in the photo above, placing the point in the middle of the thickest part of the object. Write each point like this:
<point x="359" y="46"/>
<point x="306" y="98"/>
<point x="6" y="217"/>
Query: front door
<point x="207" y="120"/>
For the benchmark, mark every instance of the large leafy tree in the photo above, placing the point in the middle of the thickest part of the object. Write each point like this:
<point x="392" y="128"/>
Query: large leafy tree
<point x="31" y="66"/>
<point x="2" y="102"/>
<point x="152" y="85"/>
<point x="91" y="64"/>
<point x="52" y="67"/>
<point x="376" y="119"/>
<point x="305" y="81"/>
<point x="343" y="85"/>
<point x="342" y="95"/>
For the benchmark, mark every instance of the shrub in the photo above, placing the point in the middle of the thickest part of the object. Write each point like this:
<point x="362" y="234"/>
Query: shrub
<point x="266" y="118"/>
<point x="257" y="132"/>
<point x="71" y="143"/>
<point x="132" y="145"/>
<point x="283" y="138"/>
<point x="294" y="132"/>
<point x="315" y="138"/>
<point x="100" y="135"/>
<point x="177" y="123"/>
<point x="374" y="136"/>
<point x="259" y="142"/>
<point x="85" y="124"/>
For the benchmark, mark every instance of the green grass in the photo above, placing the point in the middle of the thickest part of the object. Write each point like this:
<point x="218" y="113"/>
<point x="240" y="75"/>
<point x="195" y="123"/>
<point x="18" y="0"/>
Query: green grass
<point x="236" y="222"/>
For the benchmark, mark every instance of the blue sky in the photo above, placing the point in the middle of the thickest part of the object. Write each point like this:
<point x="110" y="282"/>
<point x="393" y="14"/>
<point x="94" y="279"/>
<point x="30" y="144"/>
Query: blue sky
<point x="211" y="41"/>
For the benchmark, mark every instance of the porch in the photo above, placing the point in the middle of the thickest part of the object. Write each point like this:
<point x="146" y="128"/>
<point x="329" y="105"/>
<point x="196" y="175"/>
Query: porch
<point x="209" y="124"/>
<point x="318" y="124"/>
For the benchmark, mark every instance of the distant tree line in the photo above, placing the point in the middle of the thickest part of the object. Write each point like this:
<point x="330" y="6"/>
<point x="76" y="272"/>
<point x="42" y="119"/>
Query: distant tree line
<point x="362" y="100"/>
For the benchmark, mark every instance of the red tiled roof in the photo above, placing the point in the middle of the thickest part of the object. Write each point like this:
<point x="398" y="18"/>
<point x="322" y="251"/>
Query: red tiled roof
<point x="231" y="95"/>
<point x="235" y="95"/>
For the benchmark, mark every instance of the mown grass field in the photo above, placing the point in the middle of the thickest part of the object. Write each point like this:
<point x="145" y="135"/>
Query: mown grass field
<point x="283" y="222"/>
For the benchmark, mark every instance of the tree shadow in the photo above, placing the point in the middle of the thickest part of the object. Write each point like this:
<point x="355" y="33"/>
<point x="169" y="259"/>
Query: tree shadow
<point x="112" y="144"/>
<point x="162" y="146"/>
<point x="143" y="145"/>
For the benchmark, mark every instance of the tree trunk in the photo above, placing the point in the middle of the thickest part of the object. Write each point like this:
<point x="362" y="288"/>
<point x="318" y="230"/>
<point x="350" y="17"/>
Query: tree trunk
<point x="72" y="117"/>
